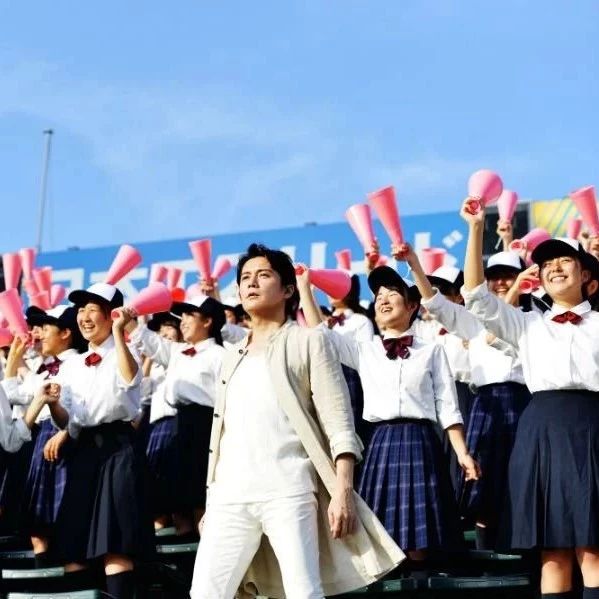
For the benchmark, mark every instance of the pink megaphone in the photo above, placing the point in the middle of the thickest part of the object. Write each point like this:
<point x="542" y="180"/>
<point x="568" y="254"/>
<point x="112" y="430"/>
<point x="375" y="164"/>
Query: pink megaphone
<point x="222" y="266"/>
<point x="27" y="261"/>
<point x="335" y="283"/>
<point x="431" y="259"/>
<point x="360" y="220"/>
<point x="173" y="276"/>
<point x="528" y="286"/>
<point x="11" y="263"/>
<point x="585" y="201"/>
<point x="506" y="205"/>
<point x="573" y="228"/>
<point x="43" y="278"/>
<point x="530" y="241"/>
<point x="12" y="308"/>
<point x="382" y="261"/>
<point x="485" y="187"/>
<point x="41" y="300"/>
<point x="343" y="259"/>
<point x="126" y="259"/>
<point x="57" y="294"/>
<point x="201" y="250"/>
<point x="6" y="337"/>
<point x="157" y="273"/>
<point x="156" y="297"/>
<point x="385" y="205"/>
<point x="31" y="286"/>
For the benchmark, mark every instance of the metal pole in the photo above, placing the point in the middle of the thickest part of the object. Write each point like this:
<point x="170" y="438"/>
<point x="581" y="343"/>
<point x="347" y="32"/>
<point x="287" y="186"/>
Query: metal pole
<point x="40" y="229"/>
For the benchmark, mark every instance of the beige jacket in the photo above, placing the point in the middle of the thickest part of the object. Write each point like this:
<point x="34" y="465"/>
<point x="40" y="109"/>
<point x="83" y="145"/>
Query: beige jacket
<point x="312" y="392"/>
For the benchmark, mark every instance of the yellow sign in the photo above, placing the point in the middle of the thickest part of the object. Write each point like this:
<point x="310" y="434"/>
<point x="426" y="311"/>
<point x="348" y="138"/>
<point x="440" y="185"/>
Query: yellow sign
<point x="553" y="215"/>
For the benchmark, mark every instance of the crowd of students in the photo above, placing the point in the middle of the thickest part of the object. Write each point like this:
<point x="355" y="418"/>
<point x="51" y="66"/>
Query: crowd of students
<point x="474" y="404"/>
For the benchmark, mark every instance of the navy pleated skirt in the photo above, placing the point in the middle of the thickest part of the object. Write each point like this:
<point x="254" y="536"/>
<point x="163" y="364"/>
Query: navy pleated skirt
<point x="405" y="481"/>
<point x="162" y="453"/>
<point x="490" y="437"/>
<point x="105" y="504"/>
<point x="15" y="468"/>
<point x="45" y="483"/>
<point x="194" y="424"/>
<point x="553" y="498"/>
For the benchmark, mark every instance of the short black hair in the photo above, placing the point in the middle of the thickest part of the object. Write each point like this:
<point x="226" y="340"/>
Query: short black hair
<point x="352" y="299"/>
<point x="281" y="263"/>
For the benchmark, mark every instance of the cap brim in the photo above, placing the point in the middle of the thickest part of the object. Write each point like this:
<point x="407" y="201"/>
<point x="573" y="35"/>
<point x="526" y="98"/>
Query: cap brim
<point x="161" y="318"/>
<point x="385" y="276"/>
<point x="81" y="297"/>
<point x="179" y="307"/>
<point x="36" y="317"/>
<point x="438" y="281"/>
<point x="497" y="269"/>
<point x="553" y="248"/>
<point x="556" y="248"/>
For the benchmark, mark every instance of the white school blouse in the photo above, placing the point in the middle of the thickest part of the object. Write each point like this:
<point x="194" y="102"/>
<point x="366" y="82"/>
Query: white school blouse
<point x="420" y="386"/>
<point x="21" y="391"/>
<point x="13" y="433"/>
<point x="497" y="362"/>
<point x="357" y="325"/>
<point x="261" y="456"/>
<point x="154" y="393"/>
<point x="455" y="350"/>
<point x="94" y="395"/>
<point x="554" y="356"/>
<point x="189" y="379"/>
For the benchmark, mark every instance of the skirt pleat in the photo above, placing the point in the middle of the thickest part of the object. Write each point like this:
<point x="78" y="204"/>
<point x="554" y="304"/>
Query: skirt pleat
<point x="45" y="483"/>
<point x="405" y="481"/>
<point x="490" y="438"/>
<point x="163" y="464"/>
<point x="553" y="498"/>
<point x="105" y="504"/>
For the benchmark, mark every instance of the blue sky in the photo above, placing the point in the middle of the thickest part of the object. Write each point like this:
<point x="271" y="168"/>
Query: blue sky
<point x="194" y="118"/>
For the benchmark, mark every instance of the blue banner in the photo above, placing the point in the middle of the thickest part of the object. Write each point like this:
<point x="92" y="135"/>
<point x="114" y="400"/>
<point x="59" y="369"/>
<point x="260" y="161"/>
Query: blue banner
<point x="314" y="245"/>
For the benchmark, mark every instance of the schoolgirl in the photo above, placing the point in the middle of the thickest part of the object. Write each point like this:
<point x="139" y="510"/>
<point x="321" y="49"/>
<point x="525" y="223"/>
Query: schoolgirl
<point x="192" y="370"/>
<point x="553" y="491"/>
<point x="408" y="388"/>
<point x="104" y="514"/>
<point x="500" y="395"/>
<point x="161" y="449"/>
<point x="60" y="341"/>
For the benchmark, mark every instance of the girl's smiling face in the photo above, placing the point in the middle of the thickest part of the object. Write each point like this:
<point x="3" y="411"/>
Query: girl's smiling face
<point x="563" y="279"/>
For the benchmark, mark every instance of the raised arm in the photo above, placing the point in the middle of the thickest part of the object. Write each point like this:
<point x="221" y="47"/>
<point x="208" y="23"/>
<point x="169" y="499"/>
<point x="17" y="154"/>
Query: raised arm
<point x="312" y="312"/>
<point x="126" y="363"/>
<point x="151" y="344"/>
<point x="454" y="317"/>
<point x="504" y="320"/>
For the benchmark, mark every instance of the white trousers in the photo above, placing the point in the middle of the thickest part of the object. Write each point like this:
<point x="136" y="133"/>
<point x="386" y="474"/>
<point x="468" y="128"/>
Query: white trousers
<point x="231" y="537"/>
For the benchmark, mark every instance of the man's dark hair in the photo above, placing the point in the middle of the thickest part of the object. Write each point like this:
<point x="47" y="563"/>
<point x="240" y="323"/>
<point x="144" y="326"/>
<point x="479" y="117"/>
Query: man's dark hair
<point x="281" y="263"/>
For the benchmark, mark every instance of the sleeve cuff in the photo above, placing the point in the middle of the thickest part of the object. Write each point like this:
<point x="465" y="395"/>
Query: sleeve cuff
<point x="450" y="420"/>
<point x="139" y="334"/>
<point x="433" y="303"/>
<point x="477" y="293"/>
<point x="346" y="442"/>
<point x="22" y="429"/>
<point x="11" y="387"/>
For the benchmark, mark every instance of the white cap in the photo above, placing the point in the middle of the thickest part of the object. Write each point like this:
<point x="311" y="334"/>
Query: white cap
<point x="103" y="290"/>
<point x="196" y="300"/>
<point x="447" y="273"/>
<point x="56" y="312"/>
<point x="508" y="259"/>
